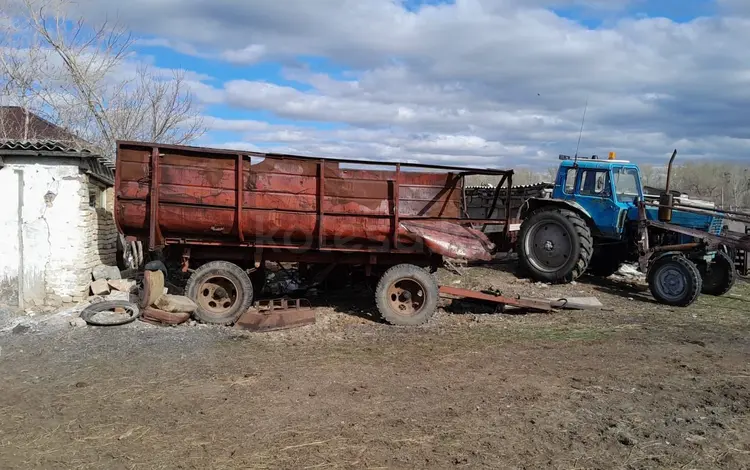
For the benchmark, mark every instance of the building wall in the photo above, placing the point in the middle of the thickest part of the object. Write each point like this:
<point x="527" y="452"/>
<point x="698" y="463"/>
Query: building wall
<point x="9" y="238"/>
<point x="100" y="239"/>
<point x="62" y="236"/>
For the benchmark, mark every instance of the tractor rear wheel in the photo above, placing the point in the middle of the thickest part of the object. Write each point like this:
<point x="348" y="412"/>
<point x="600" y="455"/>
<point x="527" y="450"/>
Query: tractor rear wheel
<point x="674" y="280"/>
<point x="719" y="276"/>
<point x="555" y="245"/>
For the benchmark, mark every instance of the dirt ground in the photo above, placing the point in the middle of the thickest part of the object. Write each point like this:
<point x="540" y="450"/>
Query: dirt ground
<point x="636" y="385"/>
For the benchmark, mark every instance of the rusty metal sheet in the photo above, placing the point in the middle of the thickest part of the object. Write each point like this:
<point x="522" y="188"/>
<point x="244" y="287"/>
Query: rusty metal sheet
<point x="277" y="314"/>
<point x="451" y="240"/>
<point x="533" y="304"/>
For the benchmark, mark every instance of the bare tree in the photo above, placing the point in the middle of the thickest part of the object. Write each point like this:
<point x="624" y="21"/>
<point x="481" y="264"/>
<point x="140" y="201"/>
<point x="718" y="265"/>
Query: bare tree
<point x="83" y="77"/>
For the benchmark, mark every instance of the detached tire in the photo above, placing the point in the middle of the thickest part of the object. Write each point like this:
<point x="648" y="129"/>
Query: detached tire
<point x="555" y="245"/>
<point x="719" y="276"/>
<point x="674" y="280"/>
<point x="222" y="291"/>
<point x="407" y="295"/>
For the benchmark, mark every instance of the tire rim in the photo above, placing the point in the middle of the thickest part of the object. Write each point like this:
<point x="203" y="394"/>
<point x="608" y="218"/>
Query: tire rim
<point x="406" y="297"/>
<point x="671" y="282"/>
<point x="548" y="246"/>
<point x="217" y="295"/>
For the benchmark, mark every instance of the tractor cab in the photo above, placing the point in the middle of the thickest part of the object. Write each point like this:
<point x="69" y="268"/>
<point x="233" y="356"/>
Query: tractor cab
<point x="605" y="191"/>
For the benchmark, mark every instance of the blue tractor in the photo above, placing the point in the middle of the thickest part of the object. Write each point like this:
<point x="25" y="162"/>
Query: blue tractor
<point x="598" y="218"/>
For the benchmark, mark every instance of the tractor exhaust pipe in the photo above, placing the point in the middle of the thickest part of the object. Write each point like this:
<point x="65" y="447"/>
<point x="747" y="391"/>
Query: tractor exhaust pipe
<point x="666" y="200"/>
<point x="669" y="169"/>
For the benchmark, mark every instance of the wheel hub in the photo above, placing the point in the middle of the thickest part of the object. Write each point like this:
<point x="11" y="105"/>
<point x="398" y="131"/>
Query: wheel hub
<point x="217" y="295"/>
<point x="549" y="246"/>
<point x="672" y="282"/>
<point x="406" y="296"/>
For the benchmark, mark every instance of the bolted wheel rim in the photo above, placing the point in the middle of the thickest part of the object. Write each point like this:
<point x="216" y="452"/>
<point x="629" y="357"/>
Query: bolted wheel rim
<point x="217" y="295"/>
<point x="548" y="246"/>
<point x="406" y="296"/>
<point x="671" y="282"/>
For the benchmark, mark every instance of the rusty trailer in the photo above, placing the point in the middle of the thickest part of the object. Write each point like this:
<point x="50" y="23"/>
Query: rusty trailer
<point x="221" y="214"/>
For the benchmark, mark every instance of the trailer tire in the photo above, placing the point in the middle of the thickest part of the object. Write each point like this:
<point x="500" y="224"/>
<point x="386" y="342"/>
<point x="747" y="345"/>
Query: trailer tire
<point x="674" y="280"/>
<point x="719" y="276"/>
<point x="398" y="286"/>
<point x="221" y="290"/>
<point x="570" y="246"/>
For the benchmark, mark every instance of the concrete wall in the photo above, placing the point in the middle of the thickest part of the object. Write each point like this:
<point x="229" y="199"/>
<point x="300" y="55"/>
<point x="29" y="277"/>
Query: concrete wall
<point x="61" y="236"/>
<point x="9" y="237"/>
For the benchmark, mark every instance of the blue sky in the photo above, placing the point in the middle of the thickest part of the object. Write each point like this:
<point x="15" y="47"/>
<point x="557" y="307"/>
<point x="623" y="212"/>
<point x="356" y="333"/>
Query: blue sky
<point x="485" y="82"/>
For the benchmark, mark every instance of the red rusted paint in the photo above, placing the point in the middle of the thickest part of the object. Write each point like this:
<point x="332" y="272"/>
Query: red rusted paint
<point x="396" y="206"/>
<point x="154" y="234"/>
<point x="321" y="202"/>
<point x="532" y="304"/>
<point x="450" y="239"/>
<point x="240" y="201"/>
<point x="213" y="197"/>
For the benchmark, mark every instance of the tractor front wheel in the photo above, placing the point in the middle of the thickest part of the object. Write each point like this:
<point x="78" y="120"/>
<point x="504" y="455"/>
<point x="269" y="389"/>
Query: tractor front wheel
<point x="719" y="276"/>
<point x="674" y="280"/>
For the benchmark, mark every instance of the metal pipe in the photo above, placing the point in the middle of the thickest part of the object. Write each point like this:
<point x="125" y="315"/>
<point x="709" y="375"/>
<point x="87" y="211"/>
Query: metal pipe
<point x="669" y="169"/>
<point x="682" y="247"/>
<point x="700" y="211"/>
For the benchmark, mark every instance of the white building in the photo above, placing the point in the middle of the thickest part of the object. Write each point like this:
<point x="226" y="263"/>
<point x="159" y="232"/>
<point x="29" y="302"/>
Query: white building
<point x="56" y="221"/>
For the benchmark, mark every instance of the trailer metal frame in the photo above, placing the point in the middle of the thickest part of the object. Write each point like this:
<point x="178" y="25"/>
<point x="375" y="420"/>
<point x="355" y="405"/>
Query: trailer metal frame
<point x="318" y="250"/>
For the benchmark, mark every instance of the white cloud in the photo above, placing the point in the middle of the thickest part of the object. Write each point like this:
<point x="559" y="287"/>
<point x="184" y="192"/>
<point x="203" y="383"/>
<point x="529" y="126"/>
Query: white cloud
<point x="477" y="78"/>
<point x="245" y="56"/>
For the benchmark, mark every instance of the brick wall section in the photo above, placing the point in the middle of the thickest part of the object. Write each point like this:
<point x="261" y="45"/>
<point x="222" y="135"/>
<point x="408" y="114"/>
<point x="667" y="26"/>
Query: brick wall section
<point x="95" y="244"/>
<point x="67" y="280"/>
<point x="100" y="239"/>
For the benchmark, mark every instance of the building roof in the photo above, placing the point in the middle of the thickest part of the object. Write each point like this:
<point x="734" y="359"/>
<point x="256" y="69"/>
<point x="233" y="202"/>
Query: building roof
<point x="24" y="134"/>
<point x="99" y="168"/>
<point x="36" y="147"/>
<point x="17" y="123"/>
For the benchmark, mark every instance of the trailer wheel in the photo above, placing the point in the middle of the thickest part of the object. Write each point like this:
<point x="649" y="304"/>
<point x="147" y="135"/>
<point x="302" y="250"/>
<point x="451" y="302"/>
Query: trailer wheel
<point x="222" y="291"/>
<point x="406" y="295"/>
<point x="555" y="245"/>
<point x="719" y="276"/>
<point x="674" y="280"/>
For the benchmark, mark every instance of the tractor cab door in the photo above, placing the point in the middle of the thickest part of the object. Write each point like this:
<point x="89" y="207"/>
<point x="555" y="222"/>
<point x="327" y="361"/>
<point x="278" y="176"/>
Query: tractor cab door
<point x="628" y="189"/>
<point x="593" y="189"/>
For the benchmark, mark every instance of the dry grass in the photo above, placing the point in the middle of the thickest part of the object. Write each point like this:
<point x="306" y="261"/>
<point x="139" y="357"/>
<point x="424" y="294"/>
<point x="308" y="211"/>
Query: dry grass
<point x="639" y="386"/>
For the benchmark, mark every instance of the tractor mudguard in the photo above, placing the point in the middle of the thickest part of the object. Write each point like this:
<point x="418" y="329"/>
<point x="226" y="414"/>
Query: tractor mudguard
<point x="534" y="203"/>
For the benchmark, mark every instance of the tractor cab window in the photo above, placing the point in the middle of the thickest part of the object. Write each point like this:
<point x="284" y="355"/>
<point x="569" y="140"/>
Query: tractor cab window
<point x="570" y="180"/>
<point x="595" y="183"/>
<point x="626" y="184"/>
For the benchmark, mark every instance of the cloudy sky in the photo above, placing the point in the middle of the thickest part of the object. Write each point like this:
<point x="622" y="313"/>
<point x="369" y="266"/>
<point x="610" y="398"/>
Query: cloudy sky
<point x="496" y="83"/>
